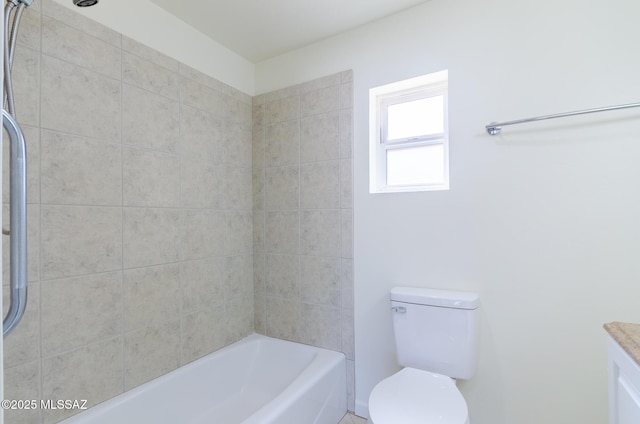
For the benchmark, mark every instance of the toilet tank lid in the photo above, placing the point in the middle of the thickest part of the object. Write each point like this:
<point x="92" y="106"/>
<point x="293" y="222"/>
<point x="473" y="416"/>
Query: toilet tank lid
<point x="434" y="297"/>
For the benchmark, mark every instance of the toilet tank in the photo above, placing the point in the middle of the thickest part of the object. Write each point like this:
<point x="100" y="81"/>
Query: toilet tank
<point x="436" y="330"/>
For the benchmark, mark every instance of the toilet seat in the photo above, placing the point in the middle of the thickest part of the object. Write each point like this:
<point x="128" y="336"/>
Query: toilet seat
<point x="413" y="396"/>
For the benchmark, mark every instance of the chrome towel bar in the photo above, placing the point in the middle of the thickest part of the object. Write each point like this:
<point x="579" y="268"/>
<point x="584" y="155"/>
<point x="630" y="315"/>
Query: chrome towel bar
<point x="17" y="224"/>
<point x="495" y="127"/>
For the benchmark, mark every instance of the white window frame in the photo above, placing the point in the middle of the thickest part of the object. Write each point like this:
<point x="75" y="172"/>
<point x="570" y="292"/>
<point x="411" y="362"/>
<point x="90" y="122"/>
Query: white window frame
<point x="380" y="98"/>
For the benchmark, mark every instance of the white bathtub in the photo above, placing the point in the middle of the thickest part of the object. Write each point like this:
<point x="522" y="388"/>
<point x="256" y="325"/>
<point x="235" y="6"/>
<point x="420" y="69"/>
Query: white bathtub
<point x="257" y="380"/>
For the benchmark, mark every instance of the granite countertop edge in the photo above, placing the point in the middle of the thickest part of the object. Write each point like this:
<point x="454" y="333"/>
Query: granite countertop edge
<point x="627" y="335"/>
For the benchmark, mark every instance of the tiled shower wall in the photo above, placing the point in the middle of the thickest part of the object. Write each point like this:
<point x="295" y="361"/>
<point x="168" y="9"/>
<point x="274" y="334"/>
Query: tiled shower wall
<point x="140" y="213"/>
<point x="303" y="215"/>
<point x="141" y="255"/>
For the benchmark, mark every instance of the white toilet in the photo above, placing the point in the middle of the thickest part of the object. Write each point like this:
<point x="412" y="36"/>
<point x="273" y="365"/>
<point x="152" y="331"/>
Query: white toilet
<point x="436" y="341"/>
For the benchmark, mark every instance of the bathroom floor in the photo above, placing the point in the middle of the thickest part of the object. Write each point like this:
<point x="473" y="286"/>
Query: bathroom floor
<point x="351" y="418"/>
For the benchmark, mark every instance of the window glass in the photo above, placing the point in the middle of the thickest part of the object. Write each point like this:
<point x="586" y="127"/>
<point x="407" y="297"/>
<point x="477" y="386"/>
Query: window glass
<point x="415" y="118"/>
<point x="422" y="165"/>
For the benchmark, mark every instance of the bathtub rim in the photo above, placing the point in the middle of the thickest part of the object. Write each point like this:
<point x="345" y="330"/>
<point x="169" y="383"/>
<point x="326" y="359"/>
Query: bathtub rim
<point x="332" y="358"/>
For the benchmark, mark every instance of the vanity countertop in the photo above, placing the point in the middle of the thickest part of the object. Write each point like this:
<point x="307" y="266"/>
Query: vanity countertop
<point x="628" y="337"/>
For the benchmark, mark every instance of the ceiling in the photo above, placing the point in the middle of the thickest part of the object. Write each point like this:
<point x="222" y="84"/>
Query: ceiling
<point x="260" y="29"/>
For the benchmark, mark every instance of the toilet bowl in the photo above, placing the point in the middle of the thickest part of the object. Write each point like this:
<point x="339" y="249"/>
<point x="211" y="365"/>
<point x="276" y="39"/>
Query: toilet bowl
<point x="413" y="396"/>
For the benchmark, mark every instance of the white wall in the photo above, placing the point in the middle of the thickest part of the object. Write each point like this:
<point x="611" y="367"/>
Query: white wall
<point x="151" y="25"/>
<point x="543" y="221"/>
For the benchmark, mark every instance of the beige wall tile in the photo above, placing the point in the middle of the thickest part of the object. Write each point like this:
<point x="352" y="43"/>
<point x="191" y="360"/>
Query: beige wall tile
<point x="241" y="97"/>
<point x="259" y="99"/>
<point x="259" y="267"/>
<point x="259" y="317"/>
<point x="203" y="283"/>
<point x="320" y="185"/>
<point x="80" y="240"/>
<point x="237" y="144"/>
<point x="201" y="78"/>
<point x="78" y="47"/>
<point x="346" y="76"/>
<point x="347" y="233"/>
<point x="202" y="184"/>
<point x="283" y="318"/>
<point x="187" y="266"/>
<point x="195" y="94"/>
<point x="203" y="332"/>
<point x="33" y="244"/>
<point x="320" y="280"/>
<point x="77" y="170"/>
<point x="282" y="188"/>
<point x="201" y="135"/>
<point x="239" y="318"/>
<point x="150" y="76"/>
<point x="346" y="282"/>
<point x="319" y="137"/>
<point x="151" y="296"/>
<point x="201" y="237"/>
<point x="23" y="344"/>
<point x="131" y="46"/>
<point x="81" y="310"/>
<point x="282" y="276"/>
<point x="258" y="175"/>
<point x="258" y="231"/>
<point x="320" y="233"/>
<point x="281" y="110"/>
<point x="32" y="140"/>
<point x="282" y="232"/>
<point x="320" y="101"/>
<point x="282" y="144"/>
<point x="238" y="276"/>
<point x="346" y="95"/>
<point x="75" y="20"/>
<point x="306" y="232"/>
<point x="65" y="376"/>
<point x="151" y="352"/>
<point x="30" y="34"/>
<point x="346" y="133"/>
<point x="292" y="91"/>
<point x="320" y="83"/>
<point x="257" y="112"/>
<point x="150" y="236"/>
<point x="237" y="188"/>
<point x="150" y="178"/>
<point x="26" y="86"/>
<point x="22" y="382"/>
<point x="320" y="326"/>
<point x="238" y="238"/>
<point x="258" y="188"/>
<point x="193" y="212"/>
<point x="79" y="101"/>
<point x="149" y="120"/>
<point x="346" y="183"/>
<point x="237" y="108"/>
<point x="348" y="342"/>
<point x="351" y="386"/>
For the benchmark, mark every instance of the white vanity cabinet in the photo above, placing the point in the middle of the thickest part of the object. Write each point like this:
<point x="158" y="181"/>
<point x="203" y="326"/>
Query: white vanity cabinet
<point x="624" y="386"/>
